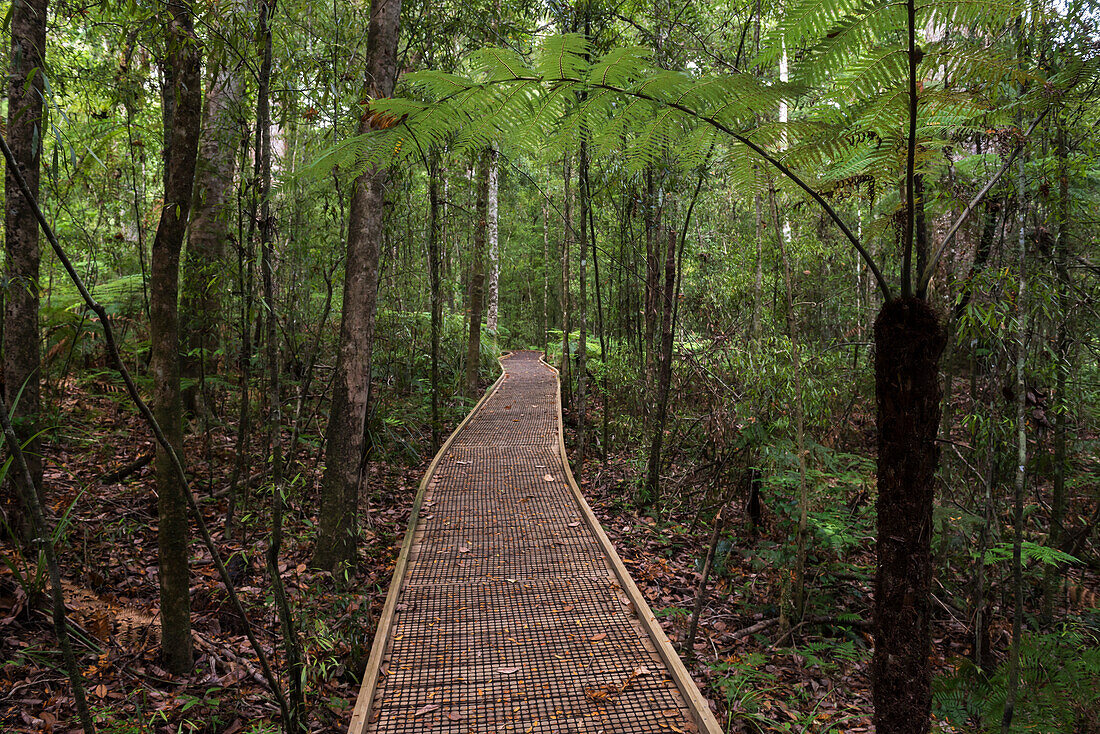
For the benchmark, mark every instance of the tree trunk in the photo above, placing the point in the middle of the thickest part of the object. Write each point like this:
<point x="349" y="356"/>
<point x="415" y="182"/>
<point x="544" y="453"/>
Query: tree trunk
<point x="435" y="267"/>
<point x="908" y="342"/>
<point x="758" y="279"/>
<point x="545" y="272"/>
<point x="347" y="428"/>
<point x="20" y="329"/>
<point x="204" y="263"/>
<point x="494" y="244"/>
<point x="183" y="104"/>
<point x="798" y="410"/>
<point x="582" y="308"/>
<point x="566" y="300"/>
<point x="664" y="376"/>
<point x="477" y="273"/>
<point x="1059" y="401"/>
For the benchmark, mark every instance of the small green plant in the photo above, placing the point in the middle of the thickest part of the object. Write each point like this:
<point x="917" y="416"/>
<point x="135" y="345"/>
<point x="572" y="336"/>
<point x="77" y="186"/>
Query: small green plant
<point x="1059" y="687"/>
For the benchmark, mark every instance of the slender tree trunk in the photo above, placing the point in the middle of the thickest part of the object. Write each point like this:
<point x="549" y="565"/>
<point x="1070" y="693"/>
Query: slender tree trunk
<point x="601" y="326"/>
<point x="799" y="416"/>
<point x="582" y="308"/>
<point x="182" y="99"/>
<point x="21" y="342"/>
<point x="295" y="700"/>
<point x="204" y="263"/>
<point x="477" y="273"/>
<point x="758" y="280"/>
<point x="435" y="267"/>
<point x="347" y="448"/>
<point x="245" y="277"/>
<point x="652" y="316"/>
<point x="1059" y="399"/>
<point x="1020" y="482"/>
<point x="664" y="377"/>
<point x="908" y="342"/>
<point x="494" y="243"/>
<point x="545" y="272"/>
<point x="566" y="299"/>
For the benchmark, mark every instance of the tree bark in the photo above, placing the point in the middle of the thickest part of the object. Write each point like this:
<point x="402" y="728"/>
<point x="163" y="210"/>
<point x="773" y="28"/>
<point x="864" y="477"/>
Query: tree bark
<point x="908" y="342"/>
<point x="582" y="308"/>
<point x="20" y="335"/>
<point x="477" y="273"/>
<point x="346" y="435"/>
<point x="1059" y="399"/>
<point x="664" y="376"/>
<point x="183" y="105"/>
<point x="435" y="268"/>
<point x="204" y="262"/>
<point x="494" y="243"/>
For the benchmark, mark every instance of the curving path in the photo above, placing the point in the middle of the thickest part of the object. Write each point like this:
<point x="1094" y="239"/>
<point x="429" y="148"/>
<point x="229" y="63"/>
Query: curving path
<point x="509" y="610"/>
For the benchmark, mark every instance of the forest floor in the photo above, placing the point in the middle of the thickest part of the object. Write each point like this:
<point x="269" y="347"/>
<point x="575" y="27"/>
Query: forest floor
<point x="761" y="672"/>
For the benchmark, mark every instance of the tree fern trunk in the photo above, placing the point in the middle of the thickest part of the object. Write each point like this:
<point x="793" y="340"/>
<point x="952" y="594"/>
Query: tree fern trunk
<point x="908" y="342"/>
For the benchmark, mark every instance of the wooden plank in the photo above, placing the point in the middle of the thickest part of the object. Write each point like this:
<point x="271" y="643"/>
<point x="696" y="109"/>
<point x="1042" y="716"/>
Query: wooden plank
<point x="700" y="708"/>
<point x="360" y="715"/>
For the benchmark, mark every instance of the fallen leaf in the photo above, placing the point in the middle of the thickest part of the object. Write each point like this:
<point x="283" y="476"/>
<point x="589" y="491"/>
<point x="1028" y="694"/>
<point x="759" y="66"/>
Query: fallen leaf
<point x="597" y="638"/>
<point x="548" y="477"/>
<point x="574" y="524"/>
<point x="454" y="715"/>
<point x="426" y="709"/>
<point x="463" y="549"/>
<point x="507" y="671"/>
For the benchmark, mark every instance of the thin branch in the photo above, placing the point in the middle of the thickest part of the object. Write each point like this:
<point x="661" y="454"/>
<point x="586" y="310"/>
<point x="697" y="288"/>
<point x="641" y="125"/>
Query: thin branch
<point x="930" y="269"/>
<point x="147" y="414"/>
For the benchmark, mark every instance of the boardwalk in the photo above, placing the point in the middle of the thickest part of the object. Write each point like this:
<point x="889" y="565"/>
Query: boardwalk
<point x="509" y="611"/>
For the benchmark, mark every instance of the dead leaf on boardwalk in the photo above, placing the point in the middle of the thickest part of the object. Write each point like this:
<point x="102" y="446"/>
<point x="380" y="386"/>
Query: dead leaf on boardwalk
<point x="548" y="477"/>
<point x="463" y="549"/>
<point x="567" y="608"/>
<point x="455" y="715"/>
<point x="426" y="709"/>
<point x="507" y="671"/>
<point x="597" y="638"/>
<point x="574" y="524"/>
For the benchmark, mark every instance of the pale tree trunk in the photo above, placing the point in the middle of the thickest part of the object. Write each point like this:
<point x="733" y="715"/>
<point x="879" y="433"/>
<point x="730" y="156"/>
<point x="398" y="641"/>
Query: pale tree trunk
<point x="477" y="273"/>
<point x="204" y="265"/>
<point x="435" y="268"/>
<point x="347" y="428"/>
<point x="582" y="308"/>
<point x="545" y="269"/>
<point x="183" y="105"/>
<point x="494" y="243"/>
<point x="20" y="334"/>
<point x="566" y="301"/>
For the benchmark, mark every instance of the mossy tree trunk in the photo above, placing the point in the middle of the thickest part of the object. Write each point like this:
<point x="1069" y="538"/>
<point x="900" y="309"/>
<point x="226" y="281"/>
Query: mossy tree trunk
<point x="20" y="328"/>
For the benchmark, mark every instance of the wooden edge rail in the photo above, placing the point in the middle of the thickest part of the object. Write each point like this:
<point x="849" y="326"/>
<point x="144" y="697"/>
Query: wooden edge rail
<point x="360" y="715"/>
<point x="697" y="704"/>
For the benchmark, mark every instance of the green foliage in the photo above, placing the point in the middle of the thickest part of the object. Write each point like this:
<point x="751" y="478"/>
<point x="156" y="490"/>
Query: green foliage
<point x="1059" y="686"/>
